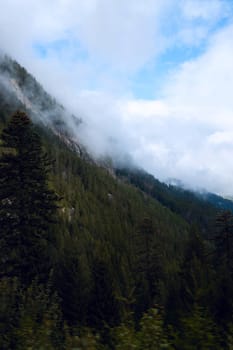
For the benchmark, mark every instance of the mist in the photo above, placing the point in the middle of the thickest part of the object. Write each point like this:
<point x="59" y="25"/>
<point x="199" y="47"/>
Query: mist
<point x="150" y="86"/>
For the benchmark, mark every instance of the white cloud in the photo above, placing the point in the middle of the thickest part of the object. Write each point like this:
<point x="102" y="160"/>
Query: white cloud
<point x="221" y="138"/>
<point x="144" y="109"/>
<point x="202" y="88"/>
<point x="116" y="32"/>
<point x="209" y="10"/>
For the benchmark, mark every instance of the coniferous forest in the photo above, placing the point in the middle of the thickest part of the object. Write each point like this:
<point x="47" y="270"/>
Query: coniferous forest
<point x="94" y="260"/>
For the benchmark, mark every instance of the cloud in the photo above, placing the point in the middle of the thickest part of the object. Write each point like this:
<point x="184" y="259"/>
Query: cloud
<point x="205" y="9"/>
<point x="221" y="138"/>
<point x="202" y="87"/>
<point x="117" y="33"/>
<point x="199" y="127"/>
<point x="90" y="53"/>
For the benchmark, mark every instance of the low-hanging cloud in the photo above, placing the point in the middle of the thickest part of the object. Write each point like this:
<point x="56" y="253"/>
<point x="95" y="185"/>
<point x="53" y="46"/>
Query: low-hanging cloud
<point x="87" y="54"/>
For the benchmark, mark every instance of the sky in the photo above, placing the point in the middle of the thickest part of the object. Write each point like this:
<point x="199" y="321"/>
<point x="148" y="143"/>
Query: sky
<point x="151" y="78"/>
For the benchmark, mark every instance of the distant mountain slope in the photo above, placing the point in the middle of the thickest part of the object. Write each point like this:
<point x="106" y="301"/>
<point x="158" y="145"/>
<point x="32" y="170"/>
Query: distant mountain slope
<point x="19" y="90"/>
<point x="96" y="206"/>
<point x="218" y="201"/>
<point x="194" y="207"/>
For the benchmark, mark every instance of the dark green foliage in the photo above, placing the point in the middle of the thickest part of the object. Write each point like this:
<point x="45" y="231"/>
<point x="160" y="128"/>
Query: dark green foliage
<point x="194" y="272"/>
<point x="27" y="206"/>
<point x="29" y="317"/>
<point x="150" y="335"/>
<point x="223" y="239"/>
<point x="118" y="255"/>
<point x="222" y="257"/>
<point x="39" y="319"/>
<point x="103" y="307"/>
<point x="198" y="332"/>
<point x="73" y="283"/>
<point x="9" y="304"/>
<point x="148" y="265"/>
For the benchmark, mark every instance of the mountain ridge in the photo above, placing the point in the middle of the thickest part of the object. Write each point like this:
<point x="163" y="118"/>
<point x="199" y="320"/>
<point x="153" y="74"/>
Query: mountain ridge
<point x="131" y="253"/>
<point x="31" y="96"/>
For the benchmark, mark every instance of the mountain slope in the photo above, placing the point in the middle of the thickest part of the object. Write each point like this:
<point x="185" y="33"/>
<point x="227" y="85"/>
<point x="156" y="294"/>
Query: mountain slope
<point x="20" y="90"/>
<point x="126" y="244"/>
<point x="98" y="212"/>
<point x="194" y="207"/>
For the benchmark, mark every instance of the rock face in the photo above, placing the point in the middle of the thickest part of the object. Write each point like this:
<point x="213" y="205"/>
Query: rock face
<point x="21" y="96"/>
<point x="21" y="90"/>
<point x="16" y="84"/>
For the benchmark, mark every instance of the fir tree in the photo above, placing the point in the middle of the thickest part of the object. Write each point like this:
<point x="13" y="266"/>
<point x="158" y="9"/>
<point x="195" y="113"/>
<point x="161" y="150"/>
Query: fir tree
<point x="27" y="205"/>
<point x="224" y="238"/>
<point x="147" y="265"/>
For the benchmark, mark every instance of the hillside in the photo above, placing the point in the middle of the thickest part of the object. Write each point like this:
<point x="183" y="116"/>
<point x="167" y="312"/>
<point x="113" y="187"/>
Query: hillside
<point x="200" y="208"/>
<point x="20" y="90"/>
<point x="125" y="243"/>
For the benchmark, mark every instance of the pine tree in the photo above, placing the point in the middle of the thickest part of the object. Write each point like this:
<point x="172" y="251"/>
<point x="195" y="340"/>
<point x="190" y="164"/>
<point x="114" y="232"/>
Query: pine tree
<point x="27" y="205"/>
<point x="224" y="238"/>
<point x="198" y="331"/>
<point x="194" y="272"/>
<point x="103" y="307"/>
<point x="223" y="263"/>
<point x="147" y="265"/>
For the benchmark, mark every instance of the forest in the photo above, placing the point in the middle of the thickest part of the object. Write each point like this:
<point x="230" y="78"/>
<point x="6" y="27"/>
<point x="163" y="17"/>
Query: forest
<point x="97" y="259"/>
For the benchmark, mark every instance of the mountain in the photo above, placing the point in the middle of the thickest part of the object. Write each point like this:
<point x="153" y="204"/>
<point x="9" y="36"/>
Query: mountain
<point x="127" y="245"/>
<point x="218" y="201"/>
<point x="20" y="90"/>
<point x="200" y="208"/>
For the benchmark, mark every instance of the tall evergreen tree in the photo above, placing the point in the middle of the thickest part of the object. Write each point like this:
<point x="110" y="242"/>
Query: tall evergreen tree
<point x="27" y="205"/>
<point x="147" y="265"/>
<point x="223" y="264"/>
<point x="194" y="272"/>
<point x="224" y="238"/>
<point x="103" y="307"/>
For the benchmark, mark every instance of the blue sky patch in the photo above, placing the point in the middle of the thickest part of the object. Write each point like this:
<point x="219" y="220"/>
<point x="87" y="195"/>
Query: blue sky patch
<point x="67" y="49"/>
